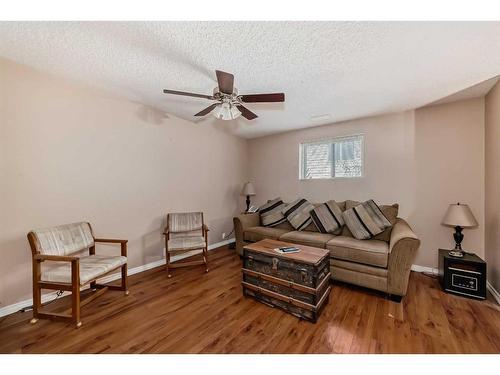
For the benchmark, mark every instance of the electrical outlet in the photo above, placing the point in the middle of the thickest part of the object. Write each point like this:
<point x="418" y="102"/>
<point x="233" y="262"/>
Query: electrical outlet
<point x="223" y="235"/>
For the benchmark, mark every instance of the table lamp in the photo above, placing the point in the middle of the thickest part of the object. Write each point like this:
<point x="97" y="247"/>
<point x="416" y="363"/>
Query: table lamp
<point x="248" y="190"/>
<point x="459" y="216"/>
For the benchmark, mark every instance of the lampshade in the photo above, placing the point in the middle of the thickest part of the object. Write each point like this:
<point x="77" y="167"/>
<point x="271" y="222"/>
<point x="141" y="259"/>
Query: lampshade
<point x="226" y="111"/>
<point x="248" y="189"/>
<point x="459" y="215"/>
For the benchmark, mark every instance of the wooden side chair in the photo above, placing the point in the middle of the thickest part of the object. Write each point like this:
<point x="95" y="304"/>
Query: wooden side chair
<point x="57" y="244"/>
<point x="186" y="232"/>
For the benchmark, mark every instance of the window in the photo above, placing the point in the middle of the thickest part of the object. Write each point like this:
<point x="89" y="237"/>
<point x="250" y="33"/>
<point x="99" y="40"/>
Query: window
<point x="336" y="157"/>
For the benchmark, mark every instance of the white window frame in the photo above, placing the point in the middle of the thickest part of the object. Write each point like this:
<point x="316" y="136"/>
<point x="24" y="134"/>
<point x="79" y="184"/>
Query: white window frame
<point x="331" y="140"/>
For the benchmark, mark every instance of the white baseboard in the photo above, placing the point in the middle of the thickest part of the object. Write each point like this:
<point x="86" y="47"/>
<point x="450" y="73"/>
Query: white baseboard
<point x="493" y="292"/>
<point x="418" y="268"/>
<point x="6" y="310"/>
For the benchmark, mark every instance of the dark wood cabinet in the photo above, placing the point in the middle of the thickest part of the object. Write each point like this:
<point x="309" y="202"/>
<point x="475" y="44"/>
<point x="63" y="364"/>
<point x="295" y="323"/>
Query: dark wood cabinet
<point x="463" y="276"/>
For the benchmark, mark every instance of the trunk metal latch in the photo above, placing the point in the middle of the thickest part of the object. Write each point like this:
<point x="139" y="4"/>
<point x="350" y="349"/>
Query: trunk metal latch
<point x="275" y="264"/>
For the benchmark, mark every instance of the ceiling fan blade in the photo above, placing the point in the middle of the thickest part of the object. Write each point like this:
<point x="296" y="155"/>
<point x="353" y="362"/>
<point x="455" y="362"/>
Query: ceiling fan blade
<point x="188" y="94"/>
<point x="246" y="113"/>
<point x="207" y="110"/>
<point x="261" y="98"/>
<point x="225" y="81"/>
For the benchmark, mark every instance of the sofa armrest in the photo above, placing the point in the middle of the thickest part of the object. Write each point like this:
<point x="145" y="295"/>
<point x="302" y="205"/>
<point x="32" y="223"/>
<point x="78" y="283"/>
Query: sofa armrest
<point x="242" y="222"/>
<point x="403" y="247"/>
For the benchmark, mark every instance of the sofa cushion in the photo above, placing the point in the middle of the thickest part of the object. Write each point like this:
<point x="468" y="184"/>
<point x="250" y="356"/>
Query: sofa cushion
<point x="372" y="252"/>
<point x="314" y="239"/>
<point x="366" y="220"/>
<point x="298" y="213"/>
<point x="254" y="234"/>
<point x="285" y="225"/>
<point x="327" y="217"/>
<point x="390" y="212"/>
<point x="270" y="213"/>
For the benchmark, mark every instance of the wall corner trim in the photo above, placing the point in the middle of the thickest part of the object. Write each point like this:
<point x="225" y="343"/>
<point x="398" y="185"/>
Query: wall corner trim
<point x="493" y="292"/>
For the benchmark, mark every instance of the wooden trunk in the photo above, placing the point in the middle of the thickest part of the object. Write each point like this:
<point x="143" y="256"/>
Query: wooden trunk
<point x="297" y="283"/>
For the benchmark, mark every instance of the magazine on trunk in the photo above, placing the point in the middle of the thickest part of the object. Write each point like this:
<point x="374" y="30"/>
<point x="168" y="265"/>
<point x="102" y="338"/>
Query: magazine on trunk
<point x="287" y="250"/>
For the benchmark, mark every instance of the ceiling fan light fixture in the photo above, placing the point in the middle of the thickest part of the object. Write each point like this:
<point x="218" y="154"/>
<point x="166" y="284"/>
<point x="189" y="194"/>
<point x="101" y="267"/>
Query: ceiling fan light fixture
<point x="226" y="111"/>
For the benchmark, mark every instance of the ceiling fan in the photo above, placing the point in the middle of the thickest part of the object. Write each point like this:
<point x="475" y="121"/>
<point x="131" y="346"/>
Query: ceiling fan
<point x="229" y="104"/>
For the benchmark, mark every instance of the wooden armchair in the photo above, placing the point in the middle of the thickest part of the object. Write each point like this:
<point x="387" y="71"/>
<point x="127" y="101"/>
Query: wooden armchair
<point x="186" y="232"/>
<point x="56" y="244"/>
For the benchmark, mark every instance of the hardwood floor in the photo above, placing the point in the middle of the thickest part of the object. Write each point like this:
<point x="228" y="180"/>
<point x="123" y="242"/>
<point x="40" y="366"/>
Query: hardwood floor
<point x="194" y="312"/>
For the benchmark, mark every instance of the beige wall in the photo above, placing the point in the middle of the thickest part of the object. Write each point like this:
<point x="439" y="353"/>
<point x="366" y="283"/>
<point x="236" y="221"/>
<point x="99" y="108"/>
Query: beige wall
<point x="70" y="153"/>
<point x="423" y="159"/>
<point x="449" y="159"/>
<point x="492" y="153"/>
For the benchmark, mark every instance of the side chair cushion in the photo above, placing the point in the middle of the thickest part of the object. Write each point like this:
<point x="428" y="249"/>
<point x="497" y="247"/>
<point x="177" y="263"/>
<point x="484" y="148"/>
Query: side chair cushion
<point x="186" y="243"/>
<point x="185" y="222"/>
<point x="64" y="239"/>
<point x="91" y="267"/>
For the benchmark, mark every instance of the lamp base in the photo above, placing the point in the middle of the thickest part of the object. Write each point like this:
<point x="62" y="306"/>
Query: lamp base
<point x="248" y="203"/>
<point x="458" y="236"/>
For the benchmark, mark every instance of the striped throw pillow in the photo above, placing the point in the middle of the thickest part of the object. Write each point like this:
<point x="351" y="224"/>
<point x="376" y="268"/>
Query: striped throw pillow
<point x="365" y="220"/>
<point x="270" y="213"/>
<point x="298" y="213"/>
<point x="327" y="217"/>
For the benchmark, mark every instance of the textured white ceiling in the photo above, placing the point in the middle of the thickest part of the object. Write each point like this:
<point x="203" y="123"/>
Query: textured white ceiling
<point x="344" y="69"/>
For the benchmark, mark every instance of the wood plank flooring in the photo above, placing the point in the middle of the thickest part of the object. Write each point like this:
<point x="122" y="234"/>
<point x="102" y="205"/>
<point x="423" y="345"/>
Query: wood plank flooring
<point x="194" y="312"/>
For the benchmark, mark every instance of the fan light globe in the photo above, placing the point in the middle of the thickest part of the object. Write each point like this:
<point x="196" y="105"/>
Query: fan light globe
<point x="226" y="111"/>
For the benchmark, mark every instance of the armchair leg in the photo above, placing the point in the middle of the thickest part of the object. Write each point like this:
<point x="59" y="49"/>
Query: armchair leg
<point x="168" y="264"/>
<point x="205" y="258"/>
<point x="124" y="280"/>
<point x="37" y="292"/>
<point x="75" y="294"/>
<point x="75" y="306"/>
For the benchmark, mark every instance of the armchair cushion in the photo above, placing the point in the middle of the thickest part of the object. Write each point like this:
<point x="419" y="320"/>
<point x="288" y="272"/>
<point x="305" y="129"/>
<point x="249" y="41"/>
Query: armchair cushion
<point x="64" y="239"/>
<point x="186" y="243"/>
<point x="91" y="267"/>
<point x="185" y="222"/>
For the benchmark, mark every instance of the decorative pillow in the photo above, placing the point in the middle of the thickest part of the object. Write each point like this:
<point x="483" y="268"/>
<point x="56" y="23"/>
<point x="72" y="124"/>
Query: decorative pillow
<point x="298" y="213"/>
<point x="390" y="212"/>
<point x="366" y="220"/>
<point x="270" y="213"/>
<point x="328" y="217"/>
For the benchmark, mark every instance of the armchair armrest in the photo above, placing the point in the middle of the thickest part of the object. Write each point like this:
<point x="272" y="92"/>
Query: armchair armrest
<point x="75" y="268"/>
<point x="205" y="227"/>
<point x="241" y="223"/>
<point x="403" y="247"/>
<point x="123" y="244"/>
<point x="109" y="240"/>
<point x="55" y="258"/>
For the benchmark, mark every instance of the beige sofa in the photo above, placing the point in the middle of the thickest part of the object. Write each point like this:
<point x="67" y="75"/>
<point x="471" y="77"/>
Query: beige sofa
<point x="382" y="263"/>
